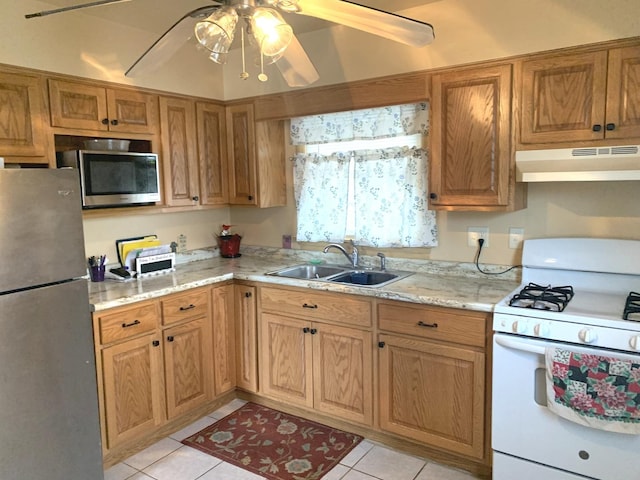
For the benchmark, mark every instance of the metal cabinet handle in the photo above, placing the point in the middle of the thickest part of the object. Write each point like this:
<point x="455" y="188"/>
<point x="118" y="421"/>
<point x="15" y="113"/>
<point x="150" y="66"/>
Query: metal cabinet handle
<point x="611" y="126"/>
<point x="155" y="343"/>
<point x="132" y="324"/>
<point x="306" y="305"/>
<point x="114" y="122"/>
<point x="381" y="344"/>
<point x="105" y="121"/>
<point x="433" y="196"/>
<point x="191" y="306"/>
<point x="313" y="331"/>
<point x="195" y="198"/>
<point x="306" y="330"/>
<point x="250" y="197"/>
<point x="247" y="294"/>
<point x="427" y="325"/>
<point x="170" y="338"/>
<point x="597" y="127"/>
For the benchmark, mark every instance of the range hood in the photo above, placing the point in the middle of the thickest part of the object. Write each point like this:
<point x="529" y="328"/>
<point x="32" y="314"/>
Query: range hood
<point x="579" y="164"/>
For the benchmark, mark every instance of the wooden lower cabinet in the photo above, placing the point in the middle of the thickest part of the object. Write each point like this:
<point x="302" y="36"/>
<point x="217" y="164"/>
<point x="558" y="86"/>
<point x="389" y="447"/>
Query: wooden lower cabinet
<point x="133" y="388"/>
<point x="224" y="338"/>
<point x="315" y="364"/>
<point x="246" y="331"/>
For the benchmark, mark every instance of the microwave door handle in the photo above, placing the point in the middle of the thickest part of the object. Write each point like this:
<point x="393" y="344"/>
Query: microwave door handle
<point x="516" y="345"/>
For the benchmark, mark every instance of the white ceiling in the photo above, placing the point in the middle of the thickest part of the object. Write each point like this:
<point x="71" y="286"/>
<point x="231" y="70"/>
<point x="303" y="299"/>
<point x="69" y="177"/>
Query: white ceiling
<point x="157" y="16"/>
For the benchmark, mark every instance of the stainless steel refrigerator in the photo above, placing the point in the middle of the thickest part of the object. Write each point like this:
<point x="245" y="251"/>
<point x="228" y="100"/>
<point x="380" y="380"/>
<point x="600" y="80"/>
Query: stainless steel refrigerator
<point x="49" y="426"/>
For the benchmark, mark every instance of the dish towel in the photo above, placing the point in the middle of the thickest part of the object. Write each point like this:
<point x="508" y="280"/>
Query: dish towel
<point x="596" y="391"/>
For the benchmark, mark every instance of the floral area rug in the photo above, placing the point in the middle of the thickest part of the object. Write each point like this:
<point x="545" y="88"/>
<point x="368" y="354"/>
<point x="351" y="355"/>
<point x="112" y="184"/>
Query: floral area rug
<point x="273" y="444"/>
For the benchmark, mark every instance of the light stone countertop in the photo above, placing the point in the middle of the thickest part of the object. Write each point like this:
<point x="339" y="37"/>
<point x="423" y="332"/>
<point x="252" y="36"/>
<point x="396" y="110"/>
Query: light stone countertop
<point x="446" y="284"/>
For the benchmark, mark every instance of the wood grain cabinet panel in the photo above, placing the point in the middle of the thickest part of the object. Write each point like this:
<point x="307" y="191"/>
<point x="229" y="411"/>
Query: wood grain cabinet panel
<point x="246" y="337"/>
<point x="224" y="338"/>
<point x="241" y="140"/>
<point x="470" y="164"/>
<point x="133" y="389"/>
<point x="212" y="153"/>
<point x="22" y="113"/>
<point x="77" y="105"/>
<point x="590" y="96"/>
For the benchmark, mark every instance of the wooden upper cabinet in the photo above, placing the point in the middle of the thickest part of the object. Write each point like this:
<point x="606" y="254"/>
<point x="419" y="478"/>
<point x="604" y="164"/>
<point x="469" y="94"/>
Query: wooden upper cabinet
<point x="470" y="141"/>
<point x="179" y="159"/>
<point x="241" y="140"/>
<point x="83" y="106"/>
<point x="212" y="153"/>
<point x="581" y="97"/>
<point x="22" y="126"/>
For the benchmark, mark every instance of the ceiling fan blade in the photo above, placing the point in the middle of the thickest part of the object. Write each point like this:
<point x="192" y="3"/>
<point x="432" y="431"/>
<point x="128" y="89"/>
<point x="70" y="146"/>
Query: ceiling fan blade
<point x="169" y="42"/>
<point x="97" y="3"/>
<point x="296" y="67"/>
<point x="388" y="25"/>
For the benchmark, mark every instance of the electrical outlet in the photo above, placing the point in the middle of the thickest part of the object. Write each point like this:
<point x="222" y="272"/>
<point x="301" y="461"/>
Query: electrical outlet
<point x="475" y="233"/>
<point x="516" y="237"/>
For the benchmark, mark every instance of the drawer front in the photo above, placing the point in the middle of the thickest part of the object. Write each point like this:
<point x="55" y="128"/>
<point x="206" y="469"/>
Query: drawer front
<point x="185" y="306"/>
<point x="338" y="308"/>
<point x="128" y="322"/>
<point x="450" y="325"/>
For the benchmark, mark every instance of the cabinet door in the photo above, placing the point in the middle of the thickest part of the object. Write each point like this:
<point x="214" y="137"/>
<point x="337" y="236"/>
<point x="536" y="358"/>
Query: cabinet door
<point x="133" y="388"/>
<point x="433" y="393"/>
<point x="179" y="160"/>
<point x="188" y="366"/>
<point x="623" y="93"/>
<point x="342" y="368"/>
<point x="286" y="359"/>
<point x="470" y="146"/>
<point x="246" y="338"/>
<point x="223" y="323"/>
<point x="21" y="122"/>
<point x="241" y="141"/>
<point x="132" y="112"/>
<point x="563" y="98"/>
<point x="212" y="154"/>
<point x="78" y="105"/>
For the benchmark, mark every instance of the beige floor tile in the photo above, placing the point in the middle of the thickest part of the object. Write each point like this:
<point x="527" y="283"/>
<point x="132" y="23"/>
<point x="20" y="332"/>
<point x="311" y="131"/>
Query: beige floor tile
<point x="227" y="409"/>
<point x="195" y="427"/>
<point x="388" y="464"/>
<point x="357" y="453"/>
<point x="226" y="471"/>
<point x="355" y="475"/>
<point x="336" y="473"/>
<point x="185" y="463"/>
<point x="153" y="453"/>
<point x="433" y="471"/>
<point x="120" y="471"/>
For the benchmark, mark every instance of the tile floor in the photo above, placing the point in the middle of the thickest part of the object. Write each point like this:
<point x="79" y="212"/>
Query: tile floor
<point x="170" y="460"/>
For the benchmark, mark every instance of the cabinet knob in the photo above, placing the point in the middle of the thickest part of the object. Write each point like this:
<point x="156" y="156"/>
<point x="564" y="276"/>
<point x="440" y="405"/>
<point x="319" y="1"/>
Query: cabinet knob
<point x="597" y="127"/>
<point x="105" y="121"/>
<point x="247" y="294"/>
<point x="155" y="343"/>
<point x="611" y="126"/>
<point x="306" y="330"/>
<point x="313" y="331"/>
<point x="114" y="122"/>
<point x="250" y="197"/>
<point x="170" y="338"/>
<point x="381" y="344"/>
<point x="433" y="196"/>
<point x="195" y="198"/>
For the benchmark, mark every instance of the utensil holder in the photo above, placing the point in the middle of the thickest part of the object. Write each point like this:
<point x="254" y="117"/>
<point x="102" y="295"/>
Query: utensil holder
<point x="96" y="273"/>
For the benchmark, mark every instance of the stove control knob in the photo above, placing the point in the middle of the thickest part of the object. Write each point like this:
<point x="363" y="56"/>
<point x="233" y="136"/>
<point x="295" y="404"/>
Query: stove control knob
<point x="634" y="342"/>
<point x="518" y="327"/>
<point x="541" y="330"/>
<point x="587" y="335"/>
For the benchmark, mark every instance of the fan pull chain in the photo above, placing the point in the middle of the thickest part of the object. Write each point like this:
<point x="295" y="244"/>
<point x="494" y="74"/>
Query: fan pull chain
<point x="262" y="76"/>
<point x="244" y="75"/>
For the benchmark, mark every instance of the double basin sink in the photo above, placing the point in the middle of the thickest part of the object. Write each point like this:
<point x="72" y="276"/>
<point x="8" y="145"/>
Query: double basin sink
<point x="338" y="274"/>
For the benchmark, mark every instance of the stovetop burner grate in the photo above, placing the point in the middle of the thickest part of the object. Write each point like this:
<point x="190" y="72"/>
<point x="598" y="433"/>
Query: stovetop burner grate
<point x="632" y="307"/>
<point x="542" y="297"/>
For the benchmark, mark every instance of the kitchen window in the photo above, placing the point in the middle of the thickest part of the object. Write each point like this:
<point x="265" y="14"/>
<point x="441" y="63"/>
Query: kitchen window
<point x="363" y="175"/>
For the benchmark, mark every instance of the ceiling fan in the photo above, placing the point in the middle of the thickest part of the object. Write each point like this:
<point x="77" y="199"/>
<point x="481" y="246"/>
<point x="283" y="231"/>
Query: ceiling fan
<point x="261" y="27"/>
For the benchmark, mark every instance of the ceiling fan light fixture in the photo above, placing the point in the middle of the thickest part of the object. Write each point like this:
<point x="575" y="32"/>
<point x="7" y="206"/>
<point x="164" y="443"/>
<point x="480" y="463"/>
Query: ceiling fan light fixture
<point x="271" y="32"/>
<point x="216" y="32"/>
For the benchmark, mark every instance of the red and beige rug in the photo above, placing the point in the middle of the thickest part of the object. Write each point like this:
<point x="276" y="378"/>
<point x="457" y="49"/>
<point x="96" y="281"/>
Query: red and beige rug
<point x="273" y="444"/>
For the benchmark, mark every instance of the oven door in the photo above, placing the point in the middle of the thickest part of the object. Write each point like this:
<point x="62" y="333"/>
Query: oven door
<point x="523" y="427"/>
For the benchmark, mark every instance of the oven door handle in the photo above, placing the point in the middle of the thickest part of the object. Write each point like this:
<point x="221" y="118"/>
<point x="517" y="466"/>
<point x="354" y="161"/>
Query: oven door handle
<point x="513" y="344"/>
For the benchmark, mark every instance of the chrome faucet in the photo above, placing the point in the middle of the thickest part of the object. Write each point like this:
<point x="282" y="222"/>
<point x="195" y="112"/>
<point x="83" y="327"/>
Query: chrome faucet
<point x="353" y="258"/>
<point x="383" y="261"/>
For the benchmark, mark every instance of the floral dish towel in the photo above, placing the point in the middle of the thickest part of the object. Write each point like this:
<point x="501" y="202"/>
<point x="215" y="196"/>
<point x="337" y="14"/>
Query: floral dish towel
<point x="596" y="391"/>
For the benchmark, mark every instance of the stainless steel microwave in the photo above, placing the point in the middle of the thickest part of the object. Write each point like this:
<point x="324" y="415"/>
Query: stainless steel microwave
<point x="114" y="179"/>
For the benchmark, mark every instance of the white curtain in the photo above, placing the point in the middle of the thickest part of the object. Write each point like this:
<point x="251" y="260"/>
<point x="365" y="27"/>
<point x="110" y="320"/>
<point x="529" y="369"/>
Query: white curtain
<point x="321" y="184"/>
<point x="390" y="199"/>
<point x="393" y="121"/>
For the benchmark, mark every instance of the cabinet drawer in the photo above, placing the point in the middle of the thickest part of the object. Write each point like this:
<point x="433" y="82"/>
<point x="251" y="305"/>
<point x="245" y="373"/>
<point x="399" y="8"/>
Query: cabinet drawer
<point x="126" y="323"/>
<point x="192" y="304"/>
<point x="338" y="308"/>
<point x="451" y="325"/>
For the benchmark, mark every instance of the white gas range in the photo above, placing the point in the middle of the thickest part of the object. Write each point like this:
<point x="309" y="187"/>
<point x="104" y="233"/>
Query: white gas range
<point x="576" y="294"/>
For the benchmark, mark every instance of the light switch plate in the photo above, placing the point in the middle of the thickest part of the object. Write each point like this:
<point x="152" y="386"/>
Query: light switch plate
<point x="516" y="237"/>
